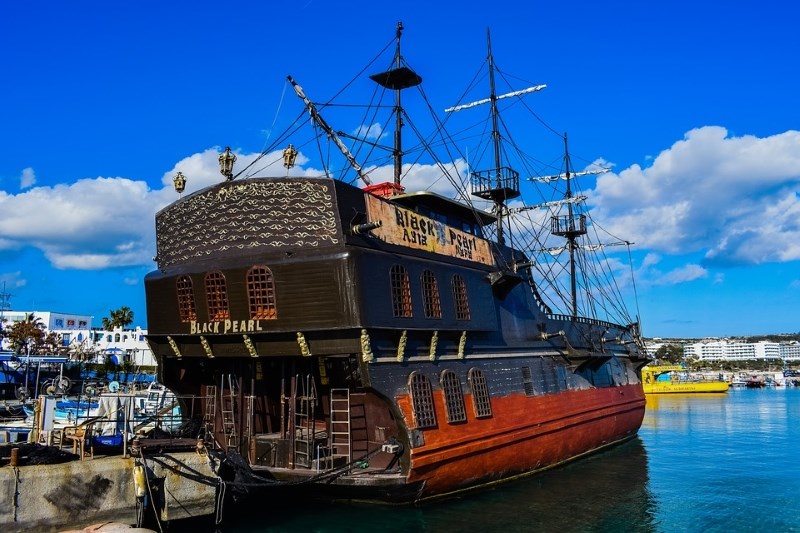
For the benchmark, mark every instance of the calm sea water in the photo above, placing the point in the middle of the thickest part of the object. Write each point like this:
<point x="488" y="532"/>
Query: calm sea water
<point x="701" y="463"/>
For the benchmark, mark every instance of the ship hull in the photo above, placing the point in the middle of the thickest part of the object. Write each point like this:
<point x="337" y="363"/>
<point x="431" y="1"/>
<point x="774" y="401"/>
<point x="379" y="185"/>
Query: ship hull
<point x="526" y="436"/>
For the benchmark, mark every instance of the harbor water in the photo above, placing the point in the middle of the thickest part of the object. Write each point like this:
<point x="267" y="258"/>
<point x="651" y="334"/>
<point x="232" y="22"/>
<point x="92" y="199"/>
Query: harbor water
<point x="704" y="462"/>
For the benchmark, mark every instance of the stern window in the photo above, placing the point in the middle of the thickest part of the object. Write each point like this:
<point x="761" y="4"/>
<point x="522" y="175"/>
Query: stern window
<point x="422" y="400"/>
<point x="401" y="292"/>
<point x="261" y="293"/>
<point x="430" y="295"/>
<point x="460" y="298"/>
<point x="186" y="308"/>
<point x="217" y="295"/>
<point x="480" y="393"/>
<point x="453" y="397"/>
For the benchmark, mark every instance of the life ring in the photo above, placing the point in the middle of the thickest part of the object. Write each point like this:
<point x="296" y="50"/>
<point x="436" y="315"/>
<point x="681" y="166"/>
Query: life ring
<point x="113" y="386"/>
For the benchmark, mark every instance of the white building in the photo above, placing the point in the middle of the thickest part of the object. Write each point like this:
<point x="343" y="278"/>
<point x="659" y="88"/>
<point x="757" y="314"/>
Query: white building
<point x="724" y="350"/>
<point x="78" y="335"/>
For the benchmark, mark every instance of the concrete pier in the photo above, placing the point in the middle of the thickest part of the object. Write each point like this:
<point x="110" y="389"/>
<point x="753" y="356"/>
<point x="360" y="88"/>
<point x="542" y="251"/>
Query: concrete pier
<point x="74" y="495"/>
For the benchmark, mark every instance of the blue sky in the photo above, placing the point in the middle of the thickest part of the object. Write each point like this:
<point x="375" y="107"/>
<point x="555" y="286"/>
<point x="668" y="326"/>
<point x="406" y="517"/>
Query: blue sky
<point x="695" y="104"/>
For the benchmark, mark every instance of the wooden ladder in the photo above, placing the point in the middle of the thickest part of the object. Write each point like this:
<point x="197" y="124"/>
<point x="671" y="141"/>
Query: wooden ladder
<point x="228" y="409"/>
<point x="305" y="404"/>
<point x="340" y="435"/>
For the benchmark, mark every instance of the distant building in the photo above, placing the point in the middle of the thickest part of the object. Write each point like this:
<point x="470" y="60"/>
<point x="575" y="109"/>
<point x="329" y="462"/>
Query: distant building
<point x="725" y="350"/>
<point x="78" y="335"/>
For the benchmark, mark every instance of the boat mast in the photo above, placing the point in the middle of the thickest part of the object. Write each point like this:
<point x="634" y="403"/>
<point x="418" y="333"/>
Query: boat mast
<point x="398" y="116"/>
<point x="398" y="78"/>
<point x="570" y="227"/>
<point x="499" y="201"/>
<point x="500" y="183"/>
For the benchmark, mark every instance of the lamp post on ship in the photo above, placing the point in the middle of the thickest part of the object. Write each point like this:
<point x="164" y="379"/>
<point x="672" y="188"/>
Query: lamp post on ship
<point x="226" y="161"/>
<point x="179" y="182"/>
<point x="289" y="157"/>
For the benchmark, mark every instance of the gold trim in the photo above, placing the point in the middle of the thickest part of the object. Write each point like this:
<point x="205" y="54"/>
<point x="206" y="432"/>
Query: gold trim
<point x="206" y="347"/>
<point x="366" y="350"/>
<point x="174" y="346"/>
<point x="401" y="347"/>
<point x="462" y="343"/>
<point x="251" y="349"/>
<point x="301" y="341"/>
<point x="434" y="341"/>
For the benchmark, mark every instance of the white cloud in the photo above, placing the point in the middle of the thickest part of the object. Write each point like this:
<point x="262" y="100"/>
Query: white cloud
<point x="12" y="279"/>
<point x="733" y="199"/>
<point x="28" y="178"/>
<point x="736" y="199"/>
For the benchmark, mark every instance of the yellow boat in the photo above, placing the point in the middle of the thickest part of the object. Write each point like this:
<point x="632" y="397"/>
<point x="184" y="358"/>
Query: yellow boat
<point x="655" y="382"/>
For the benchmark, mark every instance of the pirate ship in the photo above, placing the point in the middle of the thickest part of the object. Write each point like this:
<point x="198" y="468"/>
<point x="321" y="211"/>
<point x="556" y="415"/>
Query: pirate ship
<point x="357" y="340"/>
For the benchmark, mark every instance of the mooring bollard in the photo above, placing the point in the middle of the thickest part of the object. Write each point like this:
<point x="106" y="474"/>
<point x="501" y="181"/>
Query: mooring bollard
<point x="14" y="456"/>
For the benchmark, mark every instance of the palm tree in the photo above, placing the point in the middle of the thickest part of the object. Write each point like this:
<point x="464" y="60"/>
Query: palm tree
<point x="119" y="319"/>
<point x="29" y="330"/>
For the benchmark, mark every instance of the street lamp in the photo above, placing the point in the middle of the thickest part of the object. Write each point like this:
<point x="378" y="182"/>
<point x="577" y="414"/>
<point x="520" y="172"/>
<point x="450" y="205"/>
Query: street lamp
<point x="226" y="161"/>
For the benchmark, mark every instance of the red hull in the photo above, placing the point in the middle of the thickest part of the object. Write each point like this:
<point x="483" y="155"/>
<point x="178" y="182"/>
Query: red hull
<point x="526" y="434"/>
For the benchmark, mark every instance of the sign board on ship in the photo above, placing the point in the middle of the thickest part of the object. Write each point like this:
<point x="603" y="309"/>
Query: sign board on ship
<point x="404" y="227"/>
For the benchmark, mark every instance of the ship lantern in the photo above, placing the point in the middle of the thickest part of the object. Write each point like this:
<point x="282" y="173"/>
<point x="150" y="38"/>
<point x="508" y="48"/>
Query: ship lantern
<point x="226" y="161"/>
<point x="289" y="156"/>
<point x="179" y="182"/>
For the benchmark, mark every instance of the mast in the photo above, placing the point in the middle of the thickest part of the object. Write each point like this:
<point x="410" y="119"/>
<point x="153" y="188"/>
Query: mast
<point x="500" y="183"/>
<point x="499" y="201"/>
<point x="398" y="78"/>
<point x="570" y="227"/>
<point x="398" y="116"/>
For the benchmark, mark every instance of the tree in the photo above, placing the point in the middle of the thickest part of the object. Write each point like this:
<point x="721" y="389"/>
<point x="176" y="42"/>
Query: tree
<point x="672" y="353"/>
<point x="119" y="319"/>
<point x="26" y="331"/>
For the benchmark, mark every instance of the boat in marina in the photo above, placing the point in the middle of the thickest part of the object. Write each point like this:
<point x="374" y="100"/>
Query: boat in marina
<point x="357" y="340"/>
<point x="674" y="379"/>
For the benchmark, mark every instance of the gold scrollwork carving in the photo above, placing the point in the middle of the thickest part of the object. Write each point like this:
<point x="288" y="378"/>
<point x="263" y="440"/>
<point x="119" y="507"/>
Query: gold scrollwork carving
<point x="401" y="347"/>
<point x="366" y="349"/>
<point x="434" y="341"/>
<point x="206" y="347"/>
<point x="174" y="346"/>
<point x="301" y="341"/>
<point x="251" y="349"/>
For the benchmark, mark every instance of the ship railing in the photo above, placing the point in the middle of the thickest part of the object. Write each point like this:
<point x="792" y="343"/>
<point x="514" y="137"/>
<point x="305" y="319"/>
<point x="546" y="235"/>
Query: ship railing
<point x="584" y="320"/>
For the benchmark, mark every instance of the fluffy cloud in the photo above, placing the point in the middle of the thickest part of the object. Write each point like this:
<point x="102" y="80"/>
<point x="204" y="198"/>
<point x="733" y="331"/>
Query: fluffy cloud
<point x="28" y="178"/>
<point x="735" y="199"/>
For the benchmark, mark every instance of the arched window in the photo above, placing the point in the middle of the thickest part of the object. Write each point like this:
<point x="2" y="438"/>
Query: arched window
<point x="422" y="400"/>
<point x="217" y="296"/>
<point x="460" y="298"/>
<point x="480" y="393"/>
<point x="401" y="292"/>
<point x="186" y="308"/>
<point x="261" y="293"/>
<point x="453" y="397"/>
<point x="430" y="295"/>
<point x="116" y="337"/>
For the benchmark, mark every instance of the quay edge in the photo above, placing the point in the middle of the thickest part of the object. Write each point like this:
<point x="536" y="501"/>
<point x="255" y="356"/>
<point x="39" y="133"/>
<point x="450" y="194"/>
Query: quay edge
<point x="76" y="494"/>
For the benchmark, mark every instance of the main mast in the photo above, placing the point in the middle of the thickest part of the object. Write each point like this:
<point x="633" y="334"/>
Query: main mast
<point x="500" y="183"/>
<point x="398" y="78"/>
